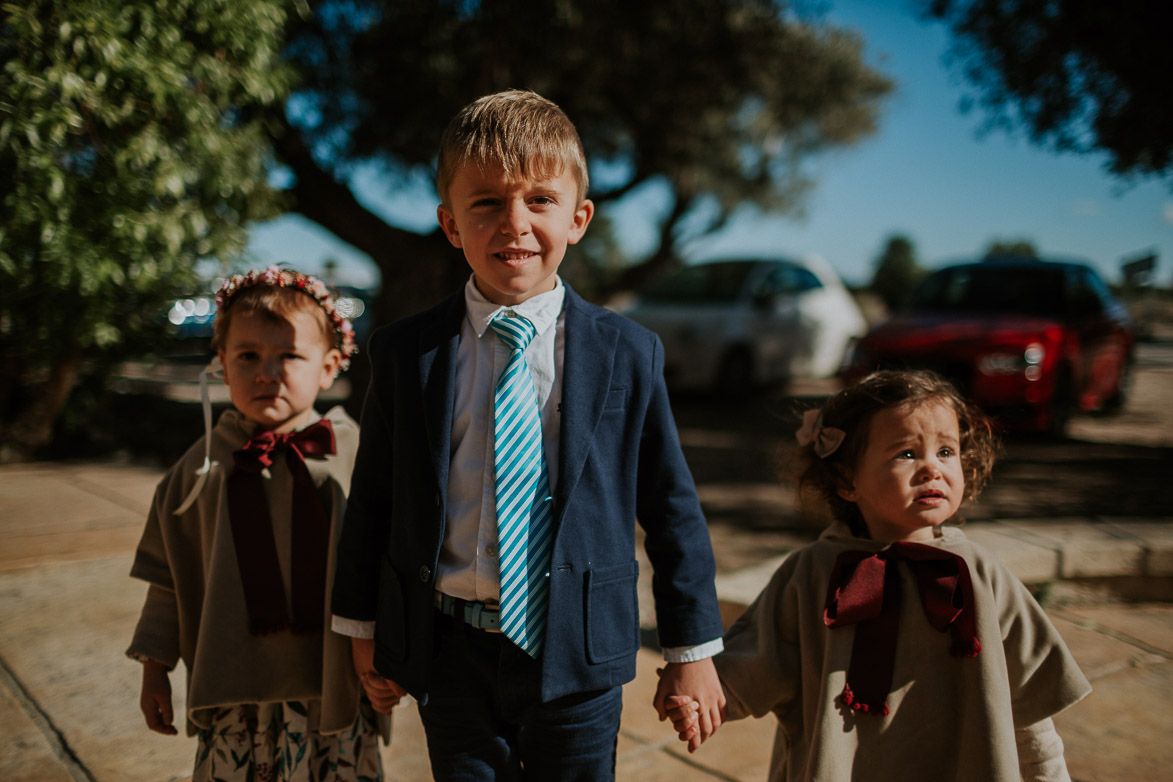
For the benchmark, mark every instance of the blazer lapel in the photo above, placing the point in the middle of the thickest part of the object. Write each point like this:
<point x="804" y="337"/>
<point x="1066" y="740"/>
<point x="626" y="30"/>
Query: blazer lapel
<point x="439" y="340"/>
<point x="586" y="378"/>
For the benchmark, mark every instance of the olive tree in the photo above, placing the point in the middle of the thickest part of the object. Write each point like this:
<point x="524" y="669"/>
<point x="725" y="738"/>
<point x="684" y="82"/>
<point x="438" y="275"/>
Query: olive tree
<point x="132" y="144"/>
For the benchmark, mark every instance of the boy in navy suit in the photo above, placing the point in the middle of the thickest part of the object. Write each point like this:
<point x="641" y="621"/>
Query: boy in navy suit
<point x="503" y="597"/>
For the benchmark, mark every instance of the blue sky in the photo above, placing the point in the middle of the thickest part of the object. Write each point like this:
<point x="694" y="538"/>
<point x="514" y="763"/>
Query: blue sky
<point x="926" y="173"/>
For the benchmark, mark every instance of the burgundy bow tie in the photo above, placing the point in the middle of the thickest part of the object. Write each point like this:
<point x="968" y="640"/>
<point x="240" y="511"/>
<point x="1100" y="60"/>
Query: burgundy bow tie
<point x="316" y="442"/>
<point x="865" y="589"/>
<point x="252" y="531"/>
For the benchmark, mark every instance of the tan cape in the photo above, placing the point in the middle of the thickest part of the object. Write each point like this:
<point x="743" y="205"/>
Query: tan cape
<point x="950" y="718"/>
<point x="192" y="558"/>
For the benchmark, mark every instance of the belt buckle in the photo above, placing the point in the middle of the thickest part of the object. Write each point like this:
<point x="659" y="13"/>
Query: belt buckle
<point x="478" y="617"/>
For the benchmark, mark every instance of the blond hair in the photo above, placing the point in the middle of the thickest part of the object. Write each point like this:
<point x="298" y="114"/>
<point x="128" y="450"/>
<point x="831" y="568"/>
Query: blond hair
<point x="525" y="134"/>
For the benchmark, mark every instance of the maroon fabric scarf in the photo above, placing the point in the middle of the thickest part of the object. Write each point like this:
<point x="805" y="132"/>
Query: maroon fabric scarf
<point x="252" y="531"/>
<point x="865" y="589"/>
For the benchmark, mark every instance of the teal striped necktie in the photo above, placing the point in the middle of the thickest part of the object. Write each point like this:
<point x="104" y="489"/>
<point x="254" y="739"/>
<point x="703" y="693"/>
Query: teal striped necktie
<point x="524" y="520"/>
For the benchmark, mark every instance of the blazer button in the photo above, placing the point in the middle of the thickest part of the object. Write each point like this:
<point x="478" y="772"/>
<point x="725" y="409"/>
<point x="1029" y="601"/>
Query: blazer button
<point x="425" y="573"/>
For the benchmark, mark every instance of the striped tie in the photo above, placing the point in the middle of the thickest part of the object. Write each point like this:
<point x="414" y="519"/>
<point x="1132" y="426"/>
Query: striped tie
<point x="524" y="521"/>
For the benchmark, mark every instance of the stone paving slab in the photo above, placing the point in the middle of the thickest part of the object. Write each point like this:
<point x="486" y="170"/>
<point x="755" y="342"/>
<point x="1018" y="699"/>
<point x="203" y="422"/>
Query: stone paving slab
<point x="1155" y="537"/>
<point x="1120" y="733"/>
<point x="1033" y="561"/>
<point x="25" y="754"/>
<point x="1086" y="549"/>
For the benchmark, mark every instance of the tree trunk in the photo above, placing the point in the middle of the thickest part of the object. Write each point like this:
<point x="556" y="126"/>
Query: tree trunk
<point x="32" y="426"/>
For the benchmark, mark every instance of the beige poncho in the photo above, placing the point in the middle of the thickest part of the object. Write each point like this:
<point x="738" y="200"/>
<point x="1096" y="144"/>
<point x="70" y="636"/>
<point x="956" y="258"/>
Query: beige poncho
<point x="951" y="718"/>
<point x="195" y="610"/>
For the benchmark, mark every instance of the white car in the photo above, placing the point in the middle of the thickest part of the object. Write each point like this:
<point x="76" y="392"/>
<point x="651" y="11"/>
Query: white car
<point x="734" y="324"/>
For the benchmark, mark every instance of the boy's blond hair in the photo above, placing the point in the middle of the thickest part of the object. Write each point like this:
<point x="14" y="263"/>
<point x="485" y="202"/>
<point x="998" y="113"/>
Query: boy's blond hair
<point x="525" y="134"/>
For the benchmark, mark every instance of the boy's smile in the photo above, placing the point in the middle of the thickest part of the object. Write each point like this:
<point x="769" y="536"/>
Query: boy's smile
<point x="513" y="232"/>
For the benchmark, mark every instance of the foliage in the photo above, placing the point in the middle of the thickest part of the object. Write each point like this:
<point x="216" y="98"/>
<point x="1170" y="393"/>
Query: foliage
<point x="896" y="272"/>
<point x="1079" y="76"/>
<point x="129" y="148"/>
<point x="721" y="101"/>
<point x="1014" y="248"/>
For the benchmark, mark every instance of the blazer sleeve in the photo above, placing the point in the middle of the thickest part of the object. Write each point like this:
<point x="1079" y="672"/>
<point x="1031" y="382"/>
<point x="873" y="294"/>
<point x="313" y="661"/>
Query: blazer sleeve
<point x="366" y="525"/>
<point x="677" y="540"/>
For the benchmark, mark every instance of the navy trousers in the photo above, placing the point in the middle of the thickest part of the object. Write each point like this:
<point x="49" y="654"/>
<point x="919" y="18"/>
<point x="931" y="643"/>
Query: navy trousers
<point x="484" y="719"/>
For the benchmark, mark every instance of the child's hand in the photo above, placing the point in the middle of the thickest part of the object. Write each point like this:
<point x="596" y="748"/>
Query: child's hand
<point x="155" y="699"/>
<point x="683" y="711"/>
<point x="381" y="692"/>
<point x="697" y="680"/>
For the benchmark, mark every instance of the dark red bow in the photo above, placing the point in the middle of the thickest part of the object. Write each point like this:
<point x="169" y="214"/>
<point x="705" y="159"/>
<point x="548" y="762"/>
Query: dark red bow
<point x="252" y="531"/>
<point x="865" y="589"/>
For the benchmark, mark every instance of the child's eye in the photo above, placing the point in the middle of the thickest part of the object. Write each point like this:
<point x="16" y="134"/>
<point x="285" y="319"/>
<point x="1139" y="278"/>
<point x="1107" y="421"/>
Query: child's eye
<point x="946" y="452"/>
<point x="482" y="203"/>
<point x="905" y="455"/>
<point x="542" y="200"/>
<point x="247" y="355"/>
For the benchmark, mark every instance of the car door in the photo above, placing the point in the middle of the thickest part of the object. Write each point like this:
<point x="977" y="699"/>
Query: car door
<point x="778" y="335"/>
<point x="1099" y="323"/>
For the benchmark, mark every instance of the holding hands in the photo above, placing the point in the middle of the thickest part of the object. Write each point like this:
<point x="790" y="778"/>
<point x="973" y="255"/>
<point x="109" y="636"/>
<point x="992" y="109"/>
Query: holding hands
<point x="690" y="695"/>
<point x="382" y="692"/>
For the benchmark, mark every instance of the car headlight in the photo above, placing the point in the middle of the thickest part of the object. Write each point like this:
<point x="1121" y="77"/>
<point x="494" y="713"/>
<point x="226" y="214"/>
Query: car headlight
<point x="1027" y="362"/>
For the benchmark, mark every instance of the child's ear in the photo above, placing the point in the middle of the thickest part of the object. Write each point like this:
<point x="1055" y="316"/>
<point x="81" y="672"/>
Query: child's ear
<point x="448" y="225"/>
<point x="223" y="367"/>
<point x="846" y="488"/>
<point x="330" y="368"/>
<point x="582" y="218"/>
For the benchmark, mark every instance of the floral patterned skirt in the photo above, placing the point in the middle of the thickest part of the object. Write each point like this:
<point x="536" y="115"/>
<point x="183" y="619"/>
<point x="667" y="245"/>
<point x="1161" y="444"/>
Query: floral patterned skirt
<point x="271" y="742"/>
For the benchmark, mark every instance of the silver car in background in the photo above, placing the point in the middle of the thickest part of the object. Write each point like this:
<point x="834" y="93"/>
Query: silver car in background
<point x="731" y="325"/>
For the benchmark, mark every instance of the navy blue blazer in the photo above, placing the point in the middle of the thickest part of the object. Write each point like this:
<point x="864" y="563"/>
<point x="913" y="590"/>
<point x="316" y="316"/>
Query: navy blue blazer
<point x="620" y="460"/>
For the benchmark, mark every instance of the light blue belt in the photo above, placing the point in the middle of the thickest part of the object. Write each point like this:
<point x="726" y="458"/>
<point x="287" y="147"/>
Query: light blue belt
<point x="476" y="614"/>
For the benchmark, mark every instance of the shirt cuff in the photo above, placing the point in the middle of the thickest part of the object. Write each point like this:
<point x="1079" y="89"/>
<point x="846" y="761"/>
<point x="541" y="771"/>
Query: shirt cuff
<point x="355" y="628"/>
<point x="690" y="654"/>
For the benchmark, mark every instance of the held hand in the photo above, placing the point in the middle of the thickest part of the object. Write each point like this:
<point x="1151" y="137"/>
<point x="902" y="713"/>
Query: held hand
<point x="155" y="699"/>
<point x="697" y="680"/>
<point x="684" y="713"/>
<point x="381" y="692"/>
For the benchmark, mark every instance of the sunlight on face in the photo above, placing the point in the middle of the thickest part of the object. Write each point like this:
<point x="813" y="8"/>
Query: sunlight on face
<point x="514" y="232"/>
<point x="909" y="479"/>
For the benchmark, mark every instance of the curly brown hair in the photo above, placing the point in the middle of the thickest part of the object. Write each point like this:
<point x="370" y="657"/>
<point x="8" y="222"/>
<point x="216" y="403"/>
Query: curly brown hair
<point x="852" y="409"/>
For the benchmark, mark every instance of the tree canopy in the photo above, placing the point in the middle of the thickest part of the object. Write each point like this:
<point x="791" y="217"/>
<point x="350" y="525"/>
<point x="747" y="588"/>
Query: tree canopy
<point x="1078" y="76"/>
<point x="131" y="145"/>
<point x="897" y="270"/>
<point x="720" y="101"/>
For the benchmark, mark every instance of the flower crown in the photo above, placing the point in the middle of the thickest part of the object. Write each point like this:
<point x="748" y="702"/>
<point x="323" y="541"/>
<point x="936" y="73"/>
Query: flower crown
<point x="311" y="286"/>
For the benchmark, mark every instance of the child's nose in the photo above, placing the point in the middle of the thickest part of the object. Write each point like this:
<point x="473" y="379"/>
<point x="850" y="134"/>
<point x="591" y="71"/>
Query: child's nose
<point x="930" y="470"/>
<point x="516" y="221"/>
<point x="270" y="371"/>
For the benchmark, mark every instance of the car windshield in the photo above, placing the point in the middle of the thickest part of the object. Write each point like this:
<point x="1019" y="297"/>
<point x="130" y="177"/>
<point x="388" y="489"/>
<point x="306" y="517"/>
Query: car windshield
<point x="711" y="282"/>
<point x="1014" y="290"/>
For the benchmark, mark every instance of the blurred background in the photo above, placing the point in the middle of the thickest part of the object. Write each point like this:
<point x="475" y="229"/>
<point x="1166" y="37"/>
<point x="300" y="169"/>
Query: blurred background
<point x="148" y="149"/>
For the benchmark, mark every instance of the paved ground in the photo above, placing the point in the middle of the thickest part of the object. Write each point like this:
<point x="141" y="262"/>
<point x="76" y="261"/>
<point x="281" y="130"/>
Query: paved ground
<point x="70" y="698"/>
<point x="1087" y="519"/>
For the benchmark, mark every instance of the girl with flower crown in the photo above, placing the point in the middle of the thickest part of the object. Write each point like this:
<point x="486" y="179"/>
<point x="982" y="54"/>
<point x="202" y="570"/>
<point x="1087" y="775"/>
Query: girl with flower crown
<point x="238" y="553"/>
<point x="893" y="648"/>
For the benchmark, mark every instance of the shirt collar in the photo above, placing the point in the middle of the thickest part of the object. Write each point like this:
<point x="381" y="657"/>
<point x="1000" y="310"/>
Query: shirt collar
<point x="541" y="310"/>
